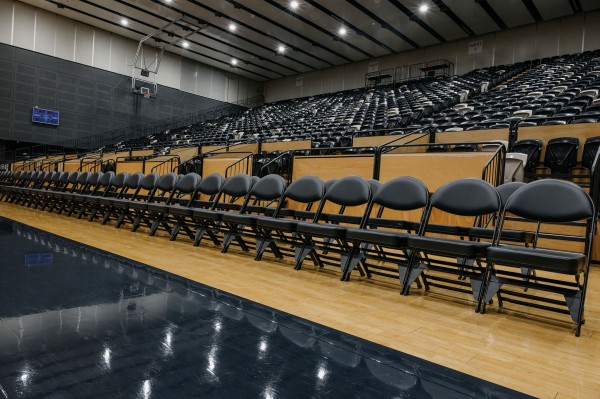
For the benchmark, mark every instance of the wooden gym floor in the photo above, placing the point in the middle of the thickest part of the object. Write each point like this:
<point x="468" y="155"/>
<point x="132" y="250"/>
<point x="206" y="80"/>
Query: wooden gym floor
<point x="537" y="355"/>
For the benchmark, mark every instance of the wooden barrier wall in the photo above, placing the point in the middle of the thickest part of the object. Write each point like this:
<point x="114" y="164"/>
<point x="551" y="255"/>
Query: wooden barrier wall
<point x="376" y="141"/>
<point x="220" y="162"/>
<point x="185" y="153"/>
<point x="286" y="145"/>
<point x="582" y="131"/>
<point x="130" y="167"/>
<point x="472" y="136"/>
<point x="334" y="166"/>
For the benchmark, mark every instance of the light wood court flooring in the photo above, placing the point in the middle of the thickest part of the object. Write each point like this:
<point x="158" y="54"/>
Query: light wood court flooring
<point x="538" y="355"/>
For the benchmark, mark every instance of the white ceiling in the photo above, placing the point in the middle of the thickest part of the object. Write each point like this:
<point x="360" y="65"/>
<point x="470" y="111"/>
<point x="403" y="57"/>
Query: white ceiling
<point x="310" y="33"/>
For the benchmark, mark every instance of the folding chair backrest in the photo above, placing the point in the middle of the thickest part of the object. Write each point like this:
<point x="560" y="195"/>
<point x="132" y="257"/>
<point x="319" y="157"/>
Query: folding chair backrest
<point x="268" y="188"/>
<point x="551" y="201"/>
<point x="329" y="183"/>
<point x="119" y="180"/>
<point x="94" y="179"/>
<point x="133" y="181"/>
<point x="305" y="189"/>
<point x="561" y="154"/>
<point x="211" y="184"/>
<point x="507" y="189"/>
<point x="64" y="179"/>
<point x="590" y="150"/>
<point x="533" y="150"/>
<point x="402" y="194"/>
<point x="234" y="187"/>
<point x="349" y="191"/>
<point x="375" y="185"/>
<point x="467" y="197"/>
<point x="166" y="183"/>
<point x="187" y="184"/>
<point x="83" y="178"/>
<point x="149" y="182"/>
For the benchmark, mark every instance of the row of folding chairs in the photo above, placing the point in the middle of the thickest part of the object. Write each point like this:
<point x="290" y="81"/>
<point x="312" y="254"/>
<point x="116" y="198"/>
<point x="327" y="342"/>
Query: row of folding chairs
<point x="468" y="236"/>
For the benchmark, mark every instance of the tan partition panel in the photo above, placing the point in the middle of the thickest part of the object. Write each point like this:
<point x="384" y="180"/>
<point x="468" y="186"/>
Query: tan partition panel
<point x="287" y="145"/>
<point x="114" y="155"/>
<point x="334" y="166"/>
<point x="185" y="153"/>
<point x="71" y="166"/>
<point x="376" y="141"/>
<point x="130" y="167"/>
<point x="219" y="163"/>
<point x="434" y="170"/>
<point x="582" y="131"/>
<point x="209" y="148"/>
<point x="141" y="153"/>
<point x="253" y="148"/>
<point x="471" y="136"/>
<point x="409" y="148"/>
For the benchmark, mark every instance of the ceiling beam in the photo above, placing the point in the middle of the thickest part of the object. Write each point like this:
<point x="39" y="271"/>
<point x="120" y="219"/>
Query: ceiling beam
<point x="576" y="5"/>
<point x="348" y="24"/>
<point x="282" y="26"/>
<point x="461" y="24"/>
<point x="415" y="18"/>
<point x="535" y="13"/>
<point x="319" y="28"/>
<point x="492" y="13"/>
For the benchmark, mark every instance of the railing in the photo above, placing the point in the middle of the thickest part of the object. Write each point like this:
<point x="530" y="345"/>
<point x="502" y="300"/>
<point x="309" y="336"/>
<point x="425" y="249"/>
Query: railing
<point x="167" y="165"/>
<point x="279" y="165"/>
<point x="192" y="165"/>
<point x="493" y="171"/>
<point x="94" y="165"/>
<point x="244" y="165"/>
<point x="49" y="166"/>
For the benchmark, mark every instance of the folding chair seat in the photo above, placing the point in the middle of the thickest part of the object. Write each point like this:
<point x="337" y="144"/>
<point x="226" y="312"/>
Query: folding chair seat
<point x="350" y="191"/>
<point x="472" y="199"/>
<point x="207" y="221"/>
<point x="185" y="186"/>
<point x="77" y="200"/>
<point x="402" y="194"/>
<point x="113" y="190"/>
<point x="590" y="150"/>
<point x="62" y="199"/>
<point x="113" y="207"/>
<point x="570" y="210"/>
<point x="533" y="150"/>
<point x="146" y="211"/>
<point x="561" y="154"/>
<point x="87" y="203"/>
<point x="49" y="198"/>
<point x="278" y="232"/>
<point x="269" y="190"/>
<point x="130" y="208"/>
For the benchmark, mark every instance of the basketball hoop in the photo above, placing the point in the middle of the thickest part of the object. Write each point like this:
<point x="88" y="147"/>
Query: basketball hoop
<point x="145" y="92"/>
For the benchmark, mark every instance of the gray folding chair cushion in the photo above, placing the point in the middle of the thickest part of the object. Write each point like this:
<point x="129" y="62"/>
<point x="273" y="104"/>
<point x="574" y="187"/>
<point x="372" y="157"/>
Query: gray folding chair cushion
<point x="380" y="237"/>
<point x="448" y="246"/>
<point x="541" y="259"/>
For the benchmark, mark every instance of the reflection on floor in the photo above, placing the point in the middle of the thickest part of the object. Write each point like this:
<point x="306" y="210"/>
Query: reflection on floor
<point x="78" y="322"/>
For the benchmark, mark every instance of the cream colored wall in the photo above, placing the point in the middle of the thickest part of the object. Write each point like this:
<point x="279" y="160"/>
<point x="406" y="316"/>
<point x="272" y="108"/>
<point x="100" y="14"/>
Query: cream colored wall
<point x="36" y="29"/>
<point x="573" y="34"/>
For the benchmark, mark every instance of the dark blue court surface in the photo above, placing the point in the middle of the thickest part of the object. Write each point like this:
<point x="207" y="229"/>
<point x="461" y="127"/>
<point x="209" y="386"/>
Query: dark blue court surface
<point x="76" y="322"/>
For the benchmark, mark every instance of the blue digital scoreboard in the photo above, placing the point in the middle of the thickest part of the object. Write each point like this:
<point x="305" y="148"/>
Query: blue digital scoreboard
<point x="45" y="116"/>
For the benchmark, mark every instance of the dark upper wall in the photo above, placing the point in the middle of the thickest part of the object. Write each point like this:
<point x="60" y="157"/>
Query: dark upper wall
<point x="90" y="100"/>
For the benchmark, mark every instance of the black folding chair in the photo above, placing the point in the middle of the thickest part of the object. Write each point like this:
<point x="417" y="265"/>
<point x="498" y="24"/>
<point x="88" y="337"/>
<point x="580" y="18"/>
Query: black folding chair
<point x="570" y="210"/>
<point x="455" y="253"/>
<point x="181" y="216"/>
<point x="374" y="247"/>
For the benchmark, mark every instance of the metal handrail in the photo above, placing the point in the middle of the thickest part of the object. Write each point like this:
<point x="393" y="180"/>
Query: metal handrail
<point x="265" y="167"/>
<point x="170" y="161"/>
<point x="95" y="162"/>
<point x="248" y="159"/>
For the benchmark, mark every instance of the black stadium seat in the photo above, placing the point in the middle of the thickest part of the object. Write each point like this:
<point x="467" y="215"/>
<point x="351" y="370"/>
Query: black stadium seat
<point x="561" y="154"/>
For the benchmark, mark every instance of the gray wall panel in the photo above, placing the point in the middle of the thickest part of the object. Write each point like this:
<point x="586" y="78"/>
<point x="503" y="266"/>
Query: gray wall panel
<point x="90" y="100"/>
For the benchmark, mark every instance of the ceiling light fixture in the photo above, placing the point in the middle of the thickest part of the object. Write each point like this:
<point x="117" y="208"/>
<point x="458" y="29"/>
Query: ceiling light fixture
<point x="232" y="27"/>
<point x="294" y="4"/>
<point x="423" y="8"/>
<point x="342" y="31"/>
<point x="234" y="62"/>
<point x="185" y="44"/>
<point x="124" y="22"/>
<point x="281" y="49"/>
